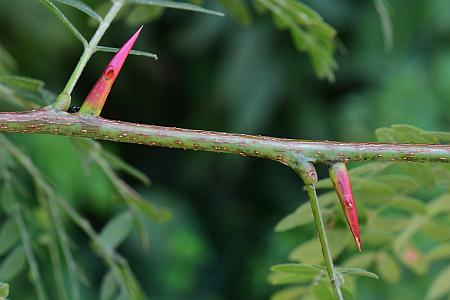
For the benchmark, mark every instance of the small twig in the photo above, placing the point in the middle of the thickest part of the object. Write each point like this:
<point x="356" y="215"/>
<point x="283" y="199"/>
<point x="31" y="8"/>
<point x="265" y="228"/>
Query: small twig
<point x="326" y="251"/>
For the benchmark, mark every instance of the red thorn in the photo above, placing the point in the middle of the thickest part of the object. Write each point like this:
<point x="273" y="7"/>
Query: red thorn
<point x="341" y="181"/>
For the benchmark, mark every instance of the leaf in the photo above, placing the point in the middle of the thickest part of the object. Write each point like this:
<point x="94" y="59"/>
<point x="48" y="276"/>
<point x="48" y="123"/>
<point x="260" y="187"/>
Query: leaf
<point x="439" y="205"/>
<point x="411" y="134"/>
<point x="391" y="224"/>
<point x="303" y="214"/>
<point x="386" y="22"/>
<point x="52" y="7"/>
<point x="376" y="237"/>
<point x="296" y="268"/>
<point x="23" y="90"/>
<point x="439" y="252"/>
<point x="385" y="135"/>
<point x="287" y="278"/>
<point x="400" y="182"/>
<point x="357" y="272"/>
<point x="108" y="288"/>
<point x="117" y="229"/>
<point x="409" y="204"/>
<point x="12" y="264"/>
<point x="310" y="251"/>
<point x="442" y="136"/>
<point x="80" y="5"/>
<point x="440" y="286"/>
<point x="177" y="5"/>
<point x="309" y="33"/>
<point x="299" y="217"/>
<point x="20" y="82"/>
<point x="437" y="231"/>
<point x="292" y="293"/>
<point x="323" y="291"/>
<point x="363" y="260"/>
<point x="4" y="290"/>
<point x="423" y="174"/>
<point x="132" y="52"/>
<point x="368" y="169"/>
<point x="387" y="267"/>
<point x="9" y="235"/>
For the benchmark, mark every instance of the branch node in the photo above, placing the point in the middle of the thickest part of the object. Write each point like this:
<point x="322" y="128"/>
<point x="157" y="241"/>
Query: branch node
<point x="62" y="102"/>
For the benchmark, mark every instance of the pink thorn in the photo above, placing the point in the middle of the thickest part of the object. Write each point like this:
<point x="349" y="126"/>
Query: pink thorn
<point x="96" y="98"/>
<point x="119" y="58"/>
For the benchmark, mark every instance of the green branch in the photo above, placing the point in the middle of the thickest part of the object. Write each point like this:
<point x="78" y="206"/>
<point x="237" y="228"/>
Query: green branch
<point x="285" y="151"/>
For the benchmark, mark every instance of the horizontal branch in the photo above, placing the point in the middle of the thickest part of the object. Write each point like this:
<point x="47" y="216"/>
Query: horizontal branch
<point x="287" y="151"/>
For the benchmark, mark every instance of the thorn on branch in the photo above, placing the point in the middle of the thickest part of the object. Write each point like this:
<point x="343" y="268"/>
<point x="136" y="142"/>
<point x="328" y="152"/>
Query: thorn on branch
<point x="96" y="98"/>
<point x="341" y="181"/>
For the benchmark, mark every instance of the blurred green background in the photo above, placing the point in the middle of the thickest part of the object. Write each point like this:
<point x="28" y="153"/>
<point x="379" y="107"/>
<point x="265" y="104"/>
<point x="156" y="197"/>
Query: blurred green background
<point x="216" y="74"/>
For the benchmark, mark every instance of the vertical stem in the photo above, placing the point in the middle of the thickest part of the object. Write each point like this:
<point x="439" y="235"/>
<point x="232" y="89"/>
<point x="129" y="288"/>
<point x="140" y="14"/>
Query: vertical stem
<point x="332" y="273"/>
<point x="63" y="100"/>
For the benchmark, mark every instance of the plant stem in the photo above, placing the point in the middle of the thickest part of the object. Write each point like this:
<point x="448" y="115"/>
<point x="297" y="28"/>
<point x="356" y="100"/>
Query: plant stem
<point x="332" y="273"/>
<point x="285" y="151"/>
<point x="62" y="103"/>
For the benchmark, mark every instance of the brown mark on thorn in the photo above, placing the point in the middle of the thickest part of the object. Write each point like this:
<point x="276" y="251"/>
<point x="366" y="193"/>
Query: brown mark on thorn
<point x="109" y="74"/>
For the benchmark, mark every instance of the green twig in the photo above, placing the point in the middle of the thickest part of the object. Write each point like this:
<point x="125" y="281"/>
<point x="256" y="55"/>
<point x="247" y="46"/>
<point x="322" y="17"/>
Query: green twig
<point x="318" y="219"/>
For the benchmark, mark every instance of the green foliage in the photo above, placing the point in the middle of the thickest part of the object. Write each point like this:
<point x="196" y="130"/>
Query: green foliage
<point x="24" y="92"/>
<point x="309" y="33"/>
<point x="401" y="205"/>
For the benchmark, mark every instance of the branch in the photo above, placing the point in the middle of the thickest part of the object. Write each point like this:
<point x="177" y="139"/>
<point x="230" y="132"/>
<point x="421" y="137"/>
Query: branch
<point x="286" y="151"/>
